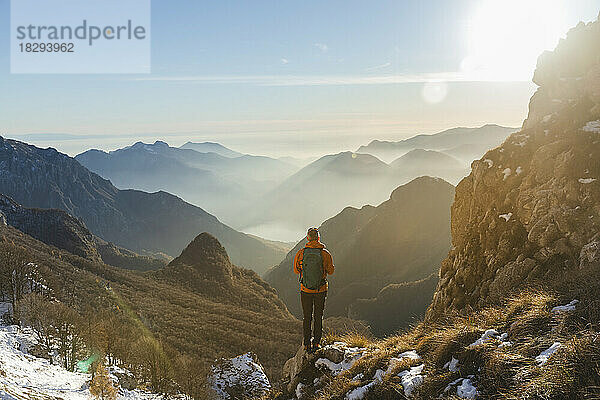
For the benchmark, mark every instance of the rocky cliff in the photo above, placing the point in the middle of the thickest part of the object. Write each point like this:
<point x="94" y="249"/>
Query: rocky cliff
<point x="531" y="206"/>
<point x="58" y="228"/>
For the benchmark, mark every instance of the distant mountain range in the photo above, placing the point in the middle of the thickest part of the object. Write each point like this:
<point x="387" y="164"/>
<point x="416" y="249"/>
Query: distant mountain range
<point x="333" y="182"/>
<point x="466" y="144"/>
<point x="420" y="162"/>
<point x="274" y="197"/>
<point x="140" y="221"/>
<point x="403" y="239"/>
<point x="221" y="180"/>
<point x="211" y="147"/>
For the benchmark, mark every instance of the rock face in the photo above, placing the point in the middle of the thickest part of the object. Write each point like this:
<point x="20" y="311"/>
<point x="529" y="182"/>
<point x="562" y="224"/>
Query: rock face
<point x="241" y="377"/>
<point x="136" y="220"/>
<point x="59" y="229"/>
<point x="531" y="207"/>
<point x="294" y="367"/>
<point x="308" y="373"/>
<point x="53" y="227"/>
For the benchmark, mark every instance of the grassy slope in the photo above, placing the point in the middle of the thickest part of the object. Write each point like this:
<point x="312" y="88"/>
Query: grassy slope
<point x="190" y="322"/>
<point x="510" y="372"/>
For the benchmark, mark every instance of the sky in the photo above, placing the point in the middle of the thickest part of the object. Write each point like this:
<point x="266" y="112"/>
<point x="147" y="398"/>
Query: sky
<point x="298" y="78"/>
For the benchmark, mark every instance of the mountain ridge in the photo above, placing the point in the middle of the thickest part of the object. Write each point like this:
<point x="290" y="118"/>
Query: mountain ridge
<point x="369" y="250"/>
<point x="486" y="137"/>
<point x="136" y="220"/>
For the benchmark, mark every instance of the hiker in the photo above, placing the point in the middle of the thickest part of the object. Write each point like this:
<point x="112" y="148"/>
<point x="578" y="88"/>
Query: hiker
<point x="313" y="263"/>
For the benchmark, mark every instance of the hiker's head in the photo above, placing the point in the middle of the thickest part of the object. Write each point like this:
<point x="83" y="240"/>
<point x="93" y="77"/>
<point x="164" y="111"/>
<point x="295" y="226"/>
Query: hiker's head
<point x="313" y="234"/>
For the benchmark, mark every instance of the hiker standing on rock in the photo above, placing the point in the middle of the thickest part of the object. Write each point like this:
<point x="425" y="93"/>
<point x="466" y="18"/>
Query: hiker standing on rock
<point x="313" y="263"/>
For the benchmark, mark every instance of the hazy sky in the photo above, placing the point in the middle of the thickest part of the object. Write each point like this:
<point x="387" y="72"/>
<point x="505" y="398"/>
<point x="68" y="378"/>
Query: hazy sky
<point x="293" y="77"/>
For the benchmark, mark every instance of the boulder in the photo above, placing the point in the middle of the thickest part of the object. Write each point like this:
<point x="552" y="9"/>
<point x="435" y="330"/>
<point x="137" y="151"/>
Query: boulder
<point x="239" y="378"/>
<point x="296" y="367"/>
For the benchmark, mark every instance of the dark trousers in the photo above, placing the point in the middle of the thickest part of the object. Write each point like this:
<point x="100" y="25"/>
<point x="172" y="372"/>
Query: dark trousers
<point x="313" y="304"/>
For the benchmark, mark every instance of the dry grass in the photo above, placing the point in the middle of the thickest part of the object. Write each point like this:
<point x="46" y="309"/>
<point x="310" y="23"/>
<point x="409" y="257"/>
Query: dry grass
<point x="508" y="372"/>
<point x="352" y="338"/>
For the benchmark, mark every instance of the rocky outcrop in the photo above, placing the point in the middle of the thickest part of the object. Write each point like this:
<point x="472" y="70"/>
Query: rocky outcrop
<point x="305" y="373"/>
<point x="568" y="75"/>
<point x="242" y="377"/>
<point x="531" y="207"/>
<point x="53" y="227"/>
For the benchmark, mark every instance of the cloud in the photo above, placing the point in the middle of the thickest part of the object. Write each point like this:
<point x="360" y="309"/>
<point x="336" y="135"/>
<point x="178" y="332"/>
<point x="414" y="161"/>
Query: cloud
<point x="285" y="61"/>
<point x="378" y="67"/>
<point x="323" y="80"/>
<point x="322" y="46"/>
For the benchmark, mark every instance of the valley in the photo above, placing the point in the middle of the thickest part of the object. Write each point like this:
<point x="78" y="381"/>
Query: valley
<point x="467" y="262"/>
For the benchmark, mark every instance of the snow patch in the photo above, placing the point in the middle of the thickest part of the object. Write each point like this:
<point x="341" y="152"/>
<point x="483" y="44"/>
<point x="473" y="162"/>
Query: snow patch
<point x="487" y="336"/>
<point x="519" y="170"/>
<point x="241" y="371"/>
<point x="452" y="365"/>
<point x="566" y="307"/>
<point x="410" y="354"/>
<point x="412" y="379"/>
<point x="466" y="390"/>
<point x="592" y="126"/>
<point x="586" y="180"/>
<point x="351" y="356"/>
<point x="360" y="392"/>
<point x="506" y="172"/>
<point x="546" y="354"/>
<point x="358" y="377"/>
<point x="299" y="390"/>
<point x="489" y="162"/>
<point x="506" y="216"/>
<point x="547" y="118"/>
<point x="29" y="377"/>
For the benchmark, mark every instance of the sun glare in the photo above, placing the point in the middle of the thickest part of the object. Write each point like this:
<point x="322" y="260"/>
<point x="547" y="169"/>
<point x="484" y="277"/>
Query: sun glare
<point x="506" y="36"/>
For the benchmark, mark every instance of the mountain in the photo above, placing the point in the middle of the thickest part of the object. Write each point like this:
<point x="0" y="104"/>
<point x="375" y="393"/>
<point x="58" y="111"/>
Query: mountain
<point x="515" y="313"/>
<point x="299" y="162"/>
<point x="409" y="300"/>
<point x="482" y="138"/>
<point x="211" y="147"/>
<point x="324" y="188"/>
<point x="529" y="208"/>
<point x="57" y="228"/>
<point x="403" y="239"/>
<point x="165" y="326"/>
<point x="432" y="163"/>
<point x="140" y="221"/>
<point x="222" y="184"/>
